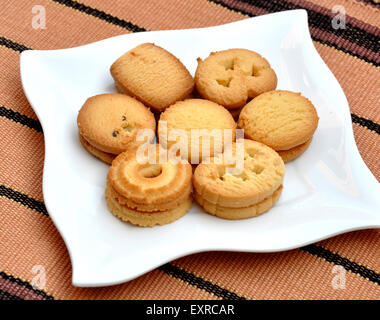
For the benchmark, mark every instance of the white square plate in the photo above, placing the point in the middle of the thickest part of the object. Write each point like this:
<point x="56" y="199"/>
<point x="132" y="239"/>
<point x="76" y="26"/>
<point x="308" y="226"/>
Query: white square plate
<point x="327" y="191"/>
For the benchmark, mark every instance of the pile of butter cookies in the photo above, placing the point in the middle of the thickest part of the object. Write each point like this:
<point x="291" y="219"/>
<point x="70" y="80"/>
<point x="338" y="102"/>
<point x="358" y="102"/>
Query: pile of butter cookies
<point x="232" y="89"/>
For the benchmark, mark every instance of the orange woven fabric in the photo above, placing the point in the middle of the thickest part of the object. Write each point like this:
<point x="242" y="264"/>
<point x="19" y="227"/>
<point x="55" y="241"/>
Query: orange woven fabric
<point x="27" y="234"/>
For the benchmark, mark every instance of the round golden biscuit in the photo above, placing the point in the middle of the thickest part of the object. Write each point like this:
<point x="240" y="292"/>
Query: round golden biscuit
<point x="280" y="119"/>
<point x="232" y="76"/>
<point x="110" y="122"/>
<point x="262" y="174"/>
<point x="239" y="213"/>
<point x="146" y="219"/>
<point x="293" y="153"/>
<point x="104" y="156"/>
<point x="187" y="116"/>
<point x="151" y="183"/>
<point x="152" y="75"/>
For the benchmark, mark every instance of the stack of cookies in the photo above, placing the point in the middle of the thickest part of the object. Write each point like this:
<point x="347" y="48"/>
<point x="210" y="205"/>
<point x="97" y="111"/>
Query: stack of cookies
<point x="148" y="194"/>
<point x="108" y="124"/>
<point x="283" y="120"/>
<point x="251" y="192"/>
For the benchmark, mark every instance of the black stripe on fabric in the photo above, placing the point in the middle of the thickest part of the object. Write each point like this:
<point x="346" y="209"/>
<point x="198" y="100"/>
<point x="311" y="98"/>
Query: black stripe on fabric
<point x="347" y="264"/>
<point x="373" y="126"/>
<point x="179" y="273"/>
<point x="315" y="38"/>
<point x="321" y="21"/>
<point x="351" y="53"/>
<point x="100" y="15"/>
<point x="371" y="2"/>
<point x="20" y="118"/>
<point x="8" y="296"/>
<point x="13" y="45"/>
<point x="23" y="199"/>
<point x="26" y="285"/>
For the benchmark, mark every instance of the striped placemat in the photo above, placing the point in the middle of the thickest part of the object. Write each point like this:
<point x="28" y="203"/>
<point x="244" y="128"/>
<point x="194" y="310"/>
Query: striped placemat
<point x="34" y="263"/>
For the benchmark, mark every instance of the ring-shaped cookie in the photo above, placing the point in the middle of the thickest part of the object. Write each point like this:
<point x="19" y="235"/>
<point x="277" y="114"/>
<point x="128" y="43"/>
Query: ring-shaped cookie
<point x="146" y="219"/>
<point x="152" y="184"/>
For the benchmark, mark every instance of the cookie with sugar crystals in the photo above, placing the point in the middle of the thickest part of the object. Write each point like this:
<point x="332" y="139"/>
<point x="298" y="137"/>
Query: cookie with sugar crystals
<point x="152" y="75"/>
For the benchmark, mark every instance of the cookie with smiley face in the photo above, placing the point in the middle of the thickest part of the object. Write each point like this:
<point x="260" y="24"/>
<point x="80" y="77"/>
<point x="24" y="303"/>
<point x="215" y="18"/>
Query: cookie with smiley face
<point x="233" y="76"/>
<point x="248" y="193"/>
<point x="108" y="124"/>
